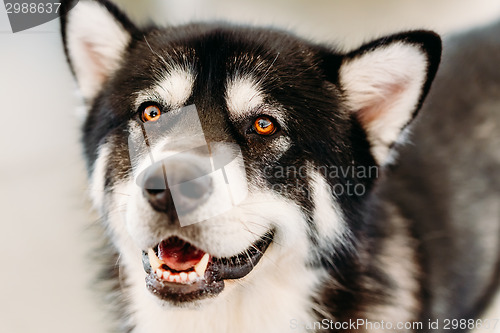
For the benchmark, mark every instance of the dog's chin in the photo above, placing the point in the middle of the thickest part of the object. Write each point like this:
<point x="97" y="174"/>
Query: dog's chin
<point x="203" y="277"/>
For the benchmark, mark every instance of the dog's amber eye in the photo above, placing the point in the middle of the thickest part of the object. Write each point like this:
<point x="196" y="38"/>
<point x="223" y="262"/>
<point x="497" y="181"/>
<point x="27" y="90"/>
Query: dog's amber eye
<point x="264" y="126"/>
<point x="151" y="113"/>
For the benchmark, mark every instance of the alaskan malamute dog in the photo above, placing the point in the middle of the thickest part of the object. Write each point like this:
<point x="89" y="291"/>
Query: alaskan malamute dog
<point x="249" y="180"/>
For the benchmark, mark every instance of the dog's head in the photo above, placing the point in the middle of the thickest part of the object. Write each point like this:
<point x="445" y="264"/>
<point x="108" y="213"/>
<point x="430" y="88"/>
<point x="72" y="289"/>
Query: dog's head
<point x="225" y="154"/>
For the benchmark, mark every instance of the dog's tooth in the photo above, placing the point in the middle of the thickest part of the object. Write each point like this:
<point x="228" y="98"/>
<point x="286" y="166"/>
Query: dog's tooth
<point x="166" y="274"/>
<point x="183" y="276"/>
<point x="154" y="261"/>
<point x="192" y="276"/>
<point x="159" y="273"/>
<point x="201" y="266"/>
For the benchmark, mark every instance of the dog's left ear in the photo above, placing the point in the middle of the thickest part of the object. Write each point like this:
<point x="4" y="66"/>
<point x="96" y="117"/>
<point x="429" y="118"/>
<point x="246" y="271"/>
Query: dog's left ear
<point x="385" y="83"/>
<point x="95" y="36"/>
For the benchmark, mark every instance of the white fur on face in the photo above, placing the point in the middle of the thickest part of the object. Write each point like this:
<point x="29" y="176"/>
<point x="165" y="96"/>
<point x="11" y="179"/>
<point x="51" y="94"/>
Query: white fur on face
<point x="95" y="42"/>
<point x="98" y="176"/>
<point x="328" y="217"/>
<point x="173" y="89"/>
<point x="243" y="94"/>
<point x="245" y="98"/>
<point x="383" y="86"/>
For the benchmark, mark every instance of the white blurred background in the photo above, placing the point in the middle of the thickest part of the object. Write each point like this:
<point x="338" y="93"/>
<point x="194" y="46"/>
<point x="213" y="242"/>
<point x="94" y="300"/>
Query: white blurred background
<point x="45" y="270"/>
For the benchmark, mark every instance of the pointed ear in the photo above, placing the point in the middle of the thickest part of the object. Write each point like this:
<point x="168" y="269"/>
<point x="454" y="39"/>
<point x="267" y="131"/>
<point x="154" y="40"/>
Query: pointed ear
<point x="385" y="83"/>
<point x="95" y="35"/>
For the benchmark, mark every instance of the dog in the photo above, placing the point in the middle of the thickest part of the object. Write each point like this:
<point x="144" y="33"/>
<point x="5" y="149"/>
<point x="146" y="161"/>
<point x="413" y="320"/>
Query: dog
<point x="249" y="180"/>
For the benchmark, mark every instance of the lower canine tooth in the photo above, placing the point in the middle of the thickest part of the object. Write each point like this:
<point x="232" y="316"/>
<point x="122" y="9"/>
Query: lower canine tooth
<point x="201" y="266"/>
<point x="159" y="273"/>
<point x="154" y="261"/>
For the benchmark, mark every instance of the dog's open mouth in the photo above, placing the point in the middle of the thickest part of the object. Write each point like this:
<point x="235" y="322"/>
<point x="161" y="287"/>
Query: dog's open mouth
<point x="180" y="272"/>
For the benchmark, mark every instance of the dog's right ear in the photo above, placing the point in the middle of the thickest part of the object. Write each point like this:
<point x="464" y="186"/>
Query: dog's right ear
<point x="95" y="36"/>
<point x="384" y="84"/>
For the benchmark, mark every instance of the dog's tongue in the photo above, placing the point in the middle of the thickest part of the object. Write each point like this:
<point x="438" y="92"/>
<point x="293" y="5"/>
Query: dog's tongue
<point x="179" y="255"/>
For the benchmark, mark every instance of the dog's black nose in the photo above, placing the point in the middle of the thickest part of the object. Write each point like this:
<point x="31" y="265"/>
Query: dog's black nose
<point x="176" y="186"/>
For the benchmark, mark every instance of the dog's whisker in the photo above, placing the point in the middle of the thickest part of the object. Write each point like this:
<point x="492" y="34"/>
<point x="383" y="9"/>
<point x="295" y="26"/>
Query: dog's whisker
<point x="111" y="192"/>
<point x="258" y="224"/>
<point x="249" y="258"/>
<point x="264" y="76"/>
<point x="257" y="249"/>
<point x="118" y="258"/>
<point x="120" y="193"/>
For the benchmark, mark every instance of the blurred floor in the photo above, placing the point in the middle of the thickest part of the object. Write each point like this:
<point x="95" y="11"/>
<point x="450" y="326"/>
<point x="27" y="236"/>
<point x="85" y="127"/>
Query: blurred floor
<point x="45" y="274"/>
